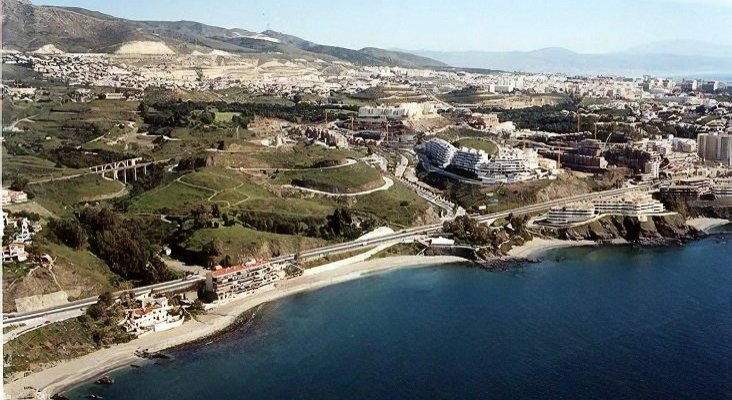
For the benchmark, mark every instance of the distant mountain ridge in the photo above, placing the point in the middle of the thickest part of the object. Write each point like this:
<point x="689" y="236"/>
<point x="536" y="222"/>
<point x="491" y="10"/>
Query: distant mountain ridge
<point x="651" y="59"/>
<point x="27" y="27"/>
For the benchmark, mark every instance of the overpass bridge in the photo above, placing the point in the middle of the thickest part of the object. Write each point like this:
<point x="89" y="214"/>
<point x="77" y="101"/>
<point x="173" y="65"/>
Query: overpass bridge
<point x="130" y="164"/>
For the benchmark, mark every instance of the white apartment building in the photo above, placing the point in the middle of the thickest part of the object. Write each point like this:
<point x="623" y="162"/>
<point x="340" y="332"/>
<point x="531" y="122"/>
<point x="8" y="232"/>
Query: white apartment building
<point x="632" y="204"/>
<point x="722" y="188"/>
<point x="404" y="111"/>
<point x="652" y="168"/>
<point x="508" y="165"/>
<point x="570" y="214"/>
<point x="440" y="152"/>
<point x="512" y="161"/>
<point x="469" y="159"/>
<point x="154" y="317"/>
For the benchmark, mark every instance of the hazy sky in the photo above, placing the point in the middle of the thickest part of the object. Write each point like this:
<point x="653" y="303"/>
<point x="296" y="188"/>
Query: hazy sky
<point x="591" y="26"/>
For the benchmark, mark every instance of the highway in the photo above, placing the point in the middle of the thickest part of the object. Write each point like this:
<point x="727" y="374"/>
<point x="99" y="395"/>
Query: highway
<point x="14" y="318"/>
<point x="396" y="237"/>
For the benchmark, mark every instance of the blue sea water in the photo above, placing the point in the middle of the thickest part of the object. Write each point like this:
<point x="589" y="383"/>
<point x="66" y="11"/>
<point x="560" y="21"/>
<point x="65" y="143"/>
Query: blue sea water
<point x="585" y="323"/>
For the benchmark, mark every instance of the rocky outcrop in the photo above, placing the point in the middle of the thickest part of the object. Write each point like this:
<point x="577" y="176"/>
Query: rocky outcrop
<point x="654" y="230"/>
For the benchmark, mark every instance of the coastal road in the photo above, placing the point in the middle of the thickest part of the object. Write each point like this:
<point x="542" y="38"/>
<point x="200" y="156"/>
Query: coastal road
<point x="78" y="305"/>
<point x="405" y="235"/>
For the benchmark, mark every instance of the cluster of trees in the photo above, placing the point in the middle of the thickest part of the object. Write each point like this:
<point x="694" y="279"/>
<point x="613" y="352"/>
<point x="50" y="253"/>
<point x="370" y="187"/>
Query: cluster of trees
<point x="73" y="157"/>
<point x="467" y="230"/>
<point x="550" y="118"/>
<point x="101" y="319"/>
<point x="69" y="232"/>
<point x="167" y="114"/>
<point x="129" y="245"/>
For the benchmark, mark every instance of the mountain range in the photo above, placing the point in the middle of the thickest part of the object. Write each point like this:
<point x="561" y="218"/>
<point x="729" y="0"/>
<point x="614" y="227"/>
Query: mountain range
<point x="27" y="27"/>
<point x="670" y="58"/>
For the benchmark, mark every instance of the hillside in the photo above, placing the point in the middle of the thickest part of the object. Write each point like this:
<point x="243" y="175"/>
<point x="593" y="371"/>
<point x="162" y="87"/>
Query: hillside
<point x="27" y="27"/>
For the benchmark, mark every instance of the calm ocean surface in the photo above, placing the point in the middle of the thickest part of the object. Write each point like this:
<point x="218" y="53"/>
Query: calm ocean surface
<point x="585" y="323"/>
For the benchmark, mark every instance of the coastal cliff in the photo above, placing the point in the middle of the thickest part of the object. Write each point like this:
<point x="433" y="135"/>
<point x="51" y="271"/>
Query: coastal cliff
<point x="654" y="230"/>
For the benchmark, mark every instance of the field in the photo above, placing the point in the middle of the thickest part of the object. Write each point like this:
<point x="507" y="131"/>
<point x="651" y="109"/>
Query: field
<point x="455" y="133"/>
<point x="347" y="179"/>
<point x="32" y="168"/>
<point x="397" y="206"/>
<point x="174" y="197"/>
<point x="224" y="116"/>
<point x="480" y="144"/>
<point x="61" y="196"/>
<point x="225" y="187"/>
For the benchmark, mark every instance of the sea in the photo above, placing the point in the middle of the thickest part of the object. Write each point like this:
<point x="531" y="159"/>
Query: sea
<point x="584" y="323"/>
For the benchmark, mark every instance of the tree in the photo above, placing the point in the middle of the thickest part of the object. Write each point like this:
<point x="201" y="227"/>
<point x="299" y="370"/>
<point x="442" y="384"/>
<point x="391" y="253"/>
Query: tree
<point x="143" y="108"/>
<point x="19" y="184"/>
<point x="69" y="232"/>
<point x="212" y="249"/>
<point x="201" y="216"/>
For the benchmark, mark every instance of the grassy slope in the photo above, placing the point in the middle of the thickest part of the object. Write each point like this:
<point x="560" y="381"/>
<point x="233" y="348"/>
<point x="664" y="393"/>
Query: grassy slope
<point x="239" y="241"/>
<point x="485" y="145"/>
<point x="348" y="179"/>
<point x="301" y="156"/>
<point x="398" y="205"/>
<point x="59" y="197"/>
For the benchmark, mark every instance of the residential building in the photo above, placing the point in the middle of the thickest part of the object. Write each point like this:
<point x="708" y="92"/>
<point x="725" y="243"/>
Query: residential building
<point x="13" y="196"/>
<point x="715" y="147"/>
<point x="156" y="316"/>
<point x="571" y="213"/>
<point x="14" y="252"/>
<point x="634" y="204"/>
<point x="440" y="152"/>
<point x="231" y="281"/>
<point x="651" y="168"/>
<point x="403" y="111"/>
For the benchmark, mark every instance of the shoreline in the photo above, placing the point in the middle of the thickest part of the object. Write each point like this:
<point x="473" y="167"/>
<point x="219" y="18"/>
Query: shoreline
<point x="536" y="248"/>
<point x="705" y="224"/>
<point x="57" y="379"/>
<point x="67" y="374"/>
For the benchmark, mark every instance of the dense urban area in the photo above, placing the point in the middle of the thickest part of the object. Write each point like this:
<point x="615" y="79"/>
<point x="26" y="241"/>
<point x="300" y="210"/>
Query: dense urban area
<point x="144" y="189"/>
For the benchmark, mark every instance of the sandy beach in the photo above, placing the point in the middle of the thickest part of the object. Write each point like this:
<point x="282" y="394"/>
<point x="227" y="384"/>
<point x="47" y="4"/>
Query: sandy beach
<point x="537" y="247"/>
<point x="69" y="373"/>
<point x="706" y="224"/>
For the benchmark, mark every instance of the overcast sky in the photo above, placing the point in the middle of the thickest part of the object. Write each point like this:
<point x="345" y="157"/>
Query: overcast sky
<point x="589" y="26"/>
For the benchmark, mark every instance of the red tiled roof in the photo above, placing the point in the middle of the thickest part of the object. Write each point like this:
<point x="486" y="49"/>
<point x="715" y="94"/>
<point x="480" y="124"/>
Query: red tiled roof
<point x="234" y="268"/>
